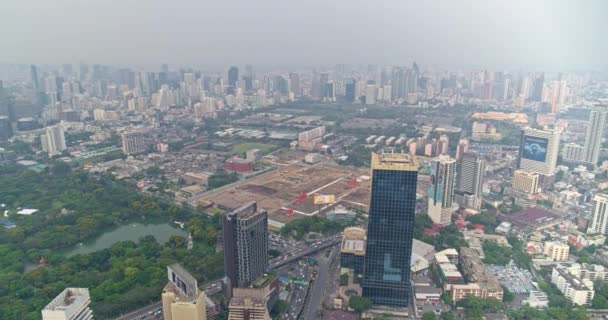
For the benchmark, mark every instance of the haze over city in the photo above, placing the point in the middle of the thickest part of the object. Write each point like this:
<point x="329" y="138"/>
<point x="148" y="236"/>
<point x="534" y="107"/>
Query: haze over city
<point x="533" y="35"/>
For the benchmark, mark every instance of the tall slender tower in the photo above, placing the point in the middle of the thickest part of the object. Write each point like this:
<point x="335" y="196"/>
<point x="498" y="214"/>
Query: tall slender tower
<point x="599" y="220"/>
<point x="441" y="192"/>
<point x="386" y="275"/>
<point x="471" y="170"/>
<point x="245" y="244"/>
<point x="595" y="133"/>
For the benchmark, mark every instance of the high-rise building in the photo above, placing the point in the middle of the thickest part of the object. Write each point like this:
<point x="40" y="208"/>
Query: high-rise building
<point x="595" y="133"/>
<point x="6" y="130"/>
<point x="538" y="151"/>
<point x="558" y="251"/>
<point x="350" y="89"/>
<point x="70" y="304"/>
<point x="526" y="182"/>
<point x="463" y="146"/>
<point x="441" y="191"/>
<point x="233" y="76"/>
<point x="386" y="273"/>
<point x="34" y="78"/>
<point x="370" y="94"/>
<point x="181" y="298"/>
<point x="573" y="152"/>
<point x="248" y="304"/>
<point x="294" y="84"/>
<point x="245" y="244"/>
<point x="471" y="171"/>
<point x="599" y="218"/>
<point x="53" y="140"/>
<point x="132" y="142"/>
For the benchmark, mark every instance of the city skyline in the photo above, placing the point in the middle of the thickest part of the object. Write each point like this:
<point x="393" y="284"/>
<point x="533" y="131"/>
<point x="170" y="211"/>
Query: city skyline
<point x="269" y="33"/>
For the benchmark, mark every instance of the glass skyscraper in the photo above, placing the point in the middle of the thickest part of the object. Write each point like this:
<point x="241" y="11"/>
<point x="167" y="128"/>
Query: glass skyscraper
<point x="386" y="273"/>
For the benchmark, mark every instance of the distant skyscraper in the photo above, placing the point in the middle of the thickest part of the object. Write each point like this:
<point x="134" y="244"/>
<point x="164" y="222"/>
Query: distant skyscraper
<point x="132" y="142"/>
<point x="399" y="83"/>
<point x="469" y="186"/>
<point x="350" y="87"/>
<point x="595" y="133"/>
<point x="70" y="304"/>
<point x="370" y="94"/>
<point x="294" y="83"/>
<point x="53" y="140"/>
<point x="599" y="219"/>
<point x="233" y="76"/>
<point x="34" y="78"/>
<point x="386" y="275"/>
<point x="6" y="130"/>
<point x="441" y="192"/>
<point x="538" y="151"/>
<point x="245" y="244"/>
<point x="463" y="146"/>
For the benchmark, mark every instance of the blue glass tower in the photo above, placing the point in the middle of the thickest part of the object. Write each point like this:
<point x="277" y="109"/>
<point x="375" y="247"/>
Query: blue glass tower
<point x="386" y="273"/>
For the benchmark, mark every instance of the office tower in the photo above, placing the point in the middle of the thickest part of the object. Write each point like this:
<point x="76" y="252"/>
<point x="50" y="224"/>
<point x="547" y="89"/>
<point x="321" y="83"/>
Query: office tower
<point x="573" y="152"/>
<point x="132" y="142"/>
<point x="6" y="130"/>
<point x="595" y="133"/>
<point x="245" y="244"/>
<point x="599" y="214"/>
<point x="524" y="91"/>
<point x="526" y="182"/>
<point x="537" y="88"/>
<point x="463" y="146"/>
<point x="233" y="76"/>
<point x="399" y="83"/>
<point x="386" y="273"/>
<point x="248" y="304"/>
<point x="350" y="89"/>
<point x="370" y="94"/>
<point x="53" y="140"/>
<point x="469" y="186"/>
<point x="294" y="83"/>
<point x="34" y="78"/>
<point x="538" y="151"/>
<point x="181" y="298"/>
<point x="70" y="304"/>
<point x="441" y="191"/>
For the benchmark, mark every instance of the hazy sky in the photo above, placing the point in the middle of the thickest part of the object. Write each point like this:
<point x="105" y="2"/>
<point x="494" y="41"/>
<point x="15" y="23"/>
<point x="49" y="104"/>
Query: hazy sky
<point x="527" y="34"/>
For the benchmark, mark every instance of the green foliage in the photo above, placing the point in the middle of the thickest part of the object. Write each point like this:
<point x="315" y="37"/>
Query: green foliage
<point x="600" y="300"/>
<point x="446" y="297"/>
<point x="279" y="307"/>
<point x="521" y="258"/>
<point x="447" y="316"/>
<point x="507" y="296"/>
<point x="154" y="171"/>
<point x="343" y="279"/>
<point x="551" y="313"/>
<point x="476" y="307"/>
<point x="299" y="228"/>
<point x="429" y="315"/>
<point x="496" y="254"/>
<point x="448" y="237"/>
<point x="244" y="147"/>
<point x="489" y="221"/>
<point x="422" y="222"/>
<point x="359" y="304"/>
<point x="556" y="298"/>
<point x="221" y="178"/>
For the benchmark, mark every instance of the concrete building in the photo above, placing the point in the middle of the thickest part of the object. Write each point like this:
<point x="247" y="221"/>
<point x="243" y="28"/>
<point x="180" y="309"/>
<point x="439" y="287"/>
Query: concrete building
<point x="469" y="185"/>
<point x="480" y="281"/>
<point x="599" y="218"/>
<point x="441" y="191"/>
<point x="578" y="291"/>
<point x="239" y="165"/>
<point x="312" y="158"/>
<point x="53" y="140"/>
<point x="526" y="182"/>
<point x="181" y="298"/>
<point x="538" y="151"/>
<point x="132" y="142"/>
<point x="573" y="152"/>
<point x="248" y="304"/>
<point x="558" y="251"/>
<point x="70" y="304"/>
<point x="595" y="133"/>
<point x="245" y="232"/>
<point x="352" y="249"/>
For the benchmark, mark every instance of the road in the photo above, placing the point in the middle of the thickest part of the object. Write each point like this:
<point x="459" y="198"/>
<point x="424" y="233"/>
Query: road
<point x="317" y="291"/>
<point x="280" y="261"/>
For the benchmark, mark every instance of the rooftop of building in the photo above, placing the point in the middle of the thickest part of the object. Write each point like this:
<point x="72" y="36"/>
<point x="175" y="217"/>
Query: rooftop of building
<point x="476" y="271"/>
<point x="67" y="298"/>
<point x="248" y="210"/>
<point x="575" y="283"/>
<point x="394" y="161"/>
<point x="264" y="280"/>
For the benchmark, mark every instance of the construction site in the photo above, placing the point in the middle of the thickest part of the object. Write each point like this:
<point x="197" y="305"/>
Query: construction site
<point x="288" y="192"/>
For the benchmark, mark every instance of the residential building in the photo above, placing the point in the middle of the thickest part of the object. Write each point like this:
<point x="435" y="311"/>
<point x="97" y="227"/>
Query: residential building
<point x="70" y="304"/>
<point x="181" y="298"/>
<point x="132" y="142"/>
<point x="558" y="251"/>
<point x="599" y="214"/>
<point x="526" y="182"/>
<point x="386" y="273"/>
<point x="53" y="140"/>
<point x="471" y="171"/>
<point x="441" y="191"/>
<point x="480" y="281"/>
<point x="578" y="291"/>
<point x="538" y="151"/>
<point x="573" y="152"/>
<point x="595" y="133"/>
<point x="245" y="232"/>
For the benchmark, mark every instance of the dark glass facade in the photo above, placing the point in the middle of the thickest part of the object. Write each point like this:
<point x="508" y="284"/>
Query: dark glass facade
<point x="386" y="274"/>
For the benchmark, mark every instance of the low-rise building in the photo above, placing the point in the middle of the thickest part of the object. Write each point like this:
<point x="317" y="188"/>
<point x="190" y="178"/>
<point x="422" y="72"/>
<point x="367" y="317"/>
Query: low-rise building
<point x="312" y="158"/>
<point x="71" y="303"/>
<point x="537" y="299"/>
<point x="239" y="165"/>
<point x="481" y="282"/>
<point x="578" y="291"/>
<point x="352" y="249"/>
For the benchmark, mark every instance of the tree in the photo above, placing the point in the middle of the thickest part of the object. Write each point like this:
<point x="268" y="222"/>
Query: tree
<point x="429" y="315"/>
<point x="507" y="296"/>
<point x="359" y="304"/>
<point x="447" y="316"/>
